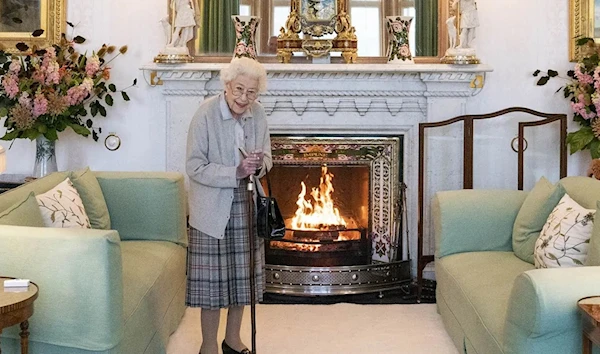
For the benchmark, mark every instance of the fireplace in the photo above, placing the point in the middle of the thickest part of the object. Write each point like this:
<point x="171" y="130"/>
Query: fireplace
<point x="340" y="198"/>
<point x="337" y="100"/>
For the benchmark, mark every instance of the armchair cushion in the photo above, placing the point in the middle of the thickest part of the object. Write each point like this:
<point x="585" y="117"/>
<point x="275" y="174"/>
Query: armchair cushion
<point x="146" y="205"/>
<point x="23" y="213"/>
<point x="532" y="216"/>
<point x="92" y="197"/>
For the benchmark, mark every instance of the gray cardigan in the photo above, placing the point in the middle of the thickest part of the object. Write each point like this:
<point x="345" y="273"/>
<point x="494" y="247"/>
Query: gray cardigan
<point x="210" y="161"/>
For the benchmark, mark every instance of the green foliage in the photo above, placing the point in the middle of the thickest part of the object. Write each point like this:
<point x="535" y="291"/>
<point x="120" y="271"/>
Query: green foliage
<point x="581" y="89"/>
<point x="45" y="91"/>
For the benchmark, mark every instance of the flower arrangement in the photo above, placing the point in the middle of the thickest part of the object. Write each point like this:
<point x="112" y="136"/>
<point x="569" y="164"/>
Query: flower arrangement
<point x="45" y="91"/>
<point x="583" y="90"/>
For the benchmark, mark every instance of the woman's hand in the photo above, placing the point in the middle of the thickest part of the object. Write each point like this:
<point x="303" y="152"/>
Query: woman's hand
<point x="260" y="155"/>
<point x="248" y="166"/>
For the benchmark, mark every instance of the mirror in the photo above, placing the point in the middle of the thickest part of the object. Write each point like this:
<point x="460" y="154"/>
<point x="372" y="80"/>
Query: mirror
<point x="216" y="36"/>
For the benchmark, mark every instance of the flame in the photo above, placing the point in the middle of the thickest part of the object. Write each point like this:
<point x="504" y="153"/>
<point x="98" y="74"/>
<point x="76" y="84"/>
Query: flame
<point x="319" y="213"/>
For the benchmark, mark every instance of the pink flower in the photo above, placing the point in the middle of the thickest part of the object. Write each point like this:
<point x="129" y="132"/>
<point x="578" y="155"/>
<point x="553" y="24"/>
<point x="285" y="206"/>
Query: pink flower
<point x="92" y="66"/>
<point x="397" y="27"/>
<point x="52" y="73"/>
<point x="404" y="51"/>
<point x="11" y="85"/>
<point x="76" y="95"/>
<point x="240" y="49"/>
<point x="583" y="78"/>
<point x="40" y="105"/>
<point x="38" y="75"/>
<point x="25" y="99"/>
<point x="14" y="67"/>
<point x="50" y="54"/>
<point x="597" y="78"/>
<point x="581" y="108"/>
<point x="251" y="51"/>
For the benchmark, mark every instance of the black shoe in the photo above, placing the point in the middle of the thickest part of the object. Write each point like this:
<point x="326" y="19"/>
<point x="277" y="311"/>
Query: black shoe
<point x="229" y="350"/>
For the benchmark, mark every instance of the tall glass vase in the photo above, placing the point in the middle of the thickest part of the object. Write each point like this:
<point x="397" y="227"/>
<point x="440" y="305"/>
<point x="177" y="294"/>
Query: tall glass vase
<point x="398" y="45"/>
<point x="245" y="36"/>
<point x="45" y="157"/>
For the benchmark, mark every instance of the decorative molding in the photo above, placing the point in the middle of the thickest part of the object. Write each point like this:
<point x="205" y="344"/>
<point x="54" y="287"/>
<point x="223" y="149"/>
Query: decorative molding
<point x="181" y="75"/>
<point x="185" y="92"/>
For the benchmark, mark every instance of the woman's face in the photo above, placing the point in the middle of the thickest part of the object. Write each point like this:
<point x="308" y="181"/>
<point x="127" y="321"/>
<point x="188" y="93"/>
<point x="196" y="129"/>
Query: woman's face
<point x="240" y="93"/>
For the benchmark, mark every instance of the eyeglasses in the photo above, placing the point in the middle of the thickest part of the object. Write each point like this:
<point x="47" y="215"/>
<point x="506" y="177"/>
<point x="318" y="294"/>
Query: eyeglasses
<point x="239" y="91"/>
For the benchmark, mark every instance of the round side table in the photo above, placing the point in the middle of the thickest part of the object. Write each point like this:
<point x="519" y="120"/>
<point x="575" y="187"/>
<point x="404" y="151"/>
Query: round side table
<point x="590" y="322"/>
<point x="16" y="308"/>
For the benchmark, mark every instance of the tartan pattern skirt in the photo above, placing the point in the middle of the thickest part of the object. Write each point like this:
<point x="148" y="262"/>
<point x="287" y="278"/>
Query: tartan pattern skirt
<point x="218" y="271"/>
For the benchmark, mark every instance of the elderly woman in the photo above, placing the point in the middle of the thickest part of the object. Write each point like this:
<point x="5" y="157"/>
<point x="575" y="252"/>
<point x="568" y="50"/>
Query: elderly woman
<point x="219" y="247"/>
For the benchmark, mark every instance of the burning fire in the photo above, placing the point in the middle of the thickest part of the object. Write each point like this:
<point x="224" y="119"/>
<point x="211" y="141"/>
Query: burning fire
<point x="320" y="213"/>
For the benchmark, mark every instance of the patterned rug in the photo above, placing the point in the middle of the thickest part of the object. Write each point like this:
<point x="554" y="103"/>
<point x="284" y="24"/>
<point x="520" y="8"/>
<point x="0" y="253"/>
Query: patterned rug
<point x="407" y="294"/>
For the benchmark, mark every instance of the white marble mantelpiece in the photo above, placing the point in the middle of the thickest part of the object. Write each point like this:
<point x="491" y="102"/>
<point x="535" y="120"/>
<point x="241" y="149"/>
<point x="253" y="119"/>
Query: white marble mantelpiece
<point x="348" y="99"/>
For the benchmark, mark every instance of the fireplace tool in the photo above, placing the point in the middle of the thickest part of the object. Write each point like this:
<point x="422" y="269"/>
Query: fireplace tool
<point x="251" y="238"/>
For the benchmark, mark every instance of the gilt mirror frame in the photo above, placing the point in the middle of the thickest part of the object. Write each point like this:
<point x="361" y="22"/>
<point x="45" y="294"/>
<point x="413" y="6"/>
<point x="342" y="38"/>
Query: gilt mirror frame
<point x="52" y="15"/>
<point x="263" y="10"/>
<point x="582" y="24"/>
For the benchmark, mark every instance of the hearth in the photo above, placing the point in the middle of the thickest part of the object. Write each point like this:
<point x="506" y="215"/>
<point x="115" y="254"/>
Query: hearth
<point x="340" y="197"/>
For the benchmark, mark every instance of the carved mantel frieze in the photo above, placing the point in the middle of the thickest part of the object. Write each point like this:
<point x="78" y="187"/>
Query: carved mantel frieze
<point x="330" y="88"/>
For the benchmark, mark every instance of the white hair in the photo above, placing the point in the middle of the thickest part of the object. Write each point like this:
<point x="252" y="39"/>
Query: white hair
<point x="245" y="66"/>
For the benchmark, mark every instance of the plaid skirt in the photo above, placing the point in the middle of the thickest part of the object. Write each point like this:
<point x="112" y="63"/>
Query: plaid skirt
<point x="218" y="271"/>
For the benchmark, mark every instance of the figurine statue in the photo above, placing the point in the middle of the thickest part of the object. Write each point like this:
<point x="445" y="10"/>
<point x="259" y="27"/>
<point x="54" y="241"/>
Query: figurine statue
<point x="183" y="22"/>
<point x="462" y="30"/>
<point x="179" y="30"/>
<point x="451" y="32"/>
<point x="469" y="20"/>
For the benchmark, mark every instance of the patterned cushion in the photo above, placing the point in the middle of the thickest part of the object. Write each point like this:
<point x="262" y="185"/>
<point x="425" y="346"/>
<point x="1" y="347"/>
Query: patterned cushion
<point x="62" y="207"/>
<point x="565" y="237"/>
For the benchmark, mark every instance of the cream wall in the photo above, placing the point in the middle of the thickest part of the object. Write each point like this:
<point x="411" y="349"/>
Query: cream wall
<point x="515" y="38"/>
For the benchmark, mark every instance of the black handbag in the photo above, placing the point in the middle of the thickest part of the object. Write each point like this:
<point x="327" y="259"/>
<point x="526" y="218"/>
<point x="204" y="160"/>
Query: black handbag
<point x="269" y="222"/>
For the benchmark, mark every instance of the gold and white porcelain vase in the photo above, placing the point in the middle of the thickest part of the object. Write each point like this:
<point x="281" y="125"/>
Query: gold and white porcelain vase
<point x="398" y="46"/>
<point x="245" y="36"/>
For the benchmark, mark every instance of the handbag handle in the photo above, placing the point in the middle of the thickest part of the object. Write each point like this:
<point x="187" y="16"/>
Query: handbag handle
<point x="268" y="183"/>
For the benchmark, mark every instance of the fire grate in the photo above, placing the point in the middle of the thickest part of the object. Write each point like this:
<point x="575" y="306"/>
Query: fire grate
<point x="342" y="280"/>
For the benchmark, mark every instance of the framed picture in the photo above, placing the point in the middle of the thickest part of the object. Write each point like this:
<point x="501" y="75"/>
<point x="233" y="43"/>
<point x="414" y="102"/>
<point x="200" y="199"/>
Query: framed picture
<point x="317" y="17"/>
<point x="19" y="18"/>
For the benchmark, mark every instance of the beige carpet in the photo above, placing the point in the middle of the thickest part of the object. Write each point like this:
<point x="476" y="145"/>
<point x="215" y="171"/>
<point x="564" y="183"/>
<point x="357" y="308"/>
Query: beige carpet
<point x="330" y="329"/>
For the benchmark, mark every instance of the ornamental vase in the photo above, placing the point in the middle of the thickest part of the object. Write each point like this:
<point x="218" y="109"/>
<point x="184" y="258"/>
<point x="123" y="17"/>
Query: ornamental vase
<point x="45" y="158"/>
<point x="398" y="47"/>
<point x="245" y="36"/>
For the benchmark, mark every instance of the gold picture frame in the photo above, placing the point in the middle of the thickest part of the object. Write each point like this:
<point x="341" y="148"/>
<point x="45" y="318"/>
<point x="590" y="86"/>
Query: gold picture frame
<point x="19" y="18"/>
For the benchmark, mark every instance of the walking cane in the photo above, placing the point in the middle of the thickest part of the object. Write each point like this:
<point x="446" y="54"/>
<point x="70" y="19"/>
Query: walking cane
<point x="250" y="189"/>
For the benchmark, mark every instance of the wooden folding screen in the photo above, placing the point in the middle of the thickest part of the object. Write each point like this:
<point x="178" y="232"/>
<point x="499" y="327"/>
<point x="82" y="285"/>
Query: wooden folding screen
<point x="468" y="137"/>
